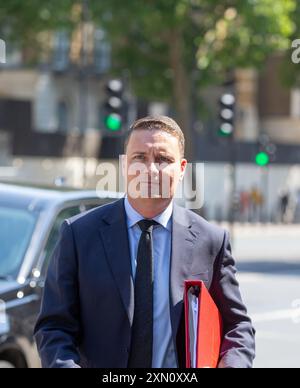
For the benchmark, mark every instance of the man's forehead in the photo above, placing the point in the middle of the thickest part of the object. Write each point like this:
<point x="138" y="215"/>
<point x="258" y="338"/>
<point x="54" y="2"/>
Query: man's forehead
<point x="148" y="146"/>
<point x="150" y="139"/>
<point x="152" y="134"/>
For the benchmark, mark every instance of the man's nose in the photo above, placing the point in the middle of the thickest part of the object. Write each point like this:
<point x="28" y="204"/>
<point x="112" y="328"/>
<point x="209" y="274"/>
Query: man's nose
<point x="153" y="168"/>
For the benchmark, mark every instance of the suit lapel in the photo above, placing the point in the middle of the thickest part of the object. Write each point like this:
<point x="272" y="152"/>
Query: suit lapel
<point x="183" y="240"/>
<point x="116" y="243"/>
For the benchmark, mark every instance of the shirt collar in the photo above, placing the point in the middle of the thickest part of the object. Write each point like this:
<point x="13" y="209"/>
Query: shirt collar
<point x="164" y="219"/>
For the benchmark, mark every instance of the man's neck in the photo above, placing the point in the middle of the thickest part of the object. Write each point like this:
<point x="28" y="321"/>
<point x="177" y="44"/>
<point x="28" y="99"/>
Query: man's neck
<point x="149" y="208"/>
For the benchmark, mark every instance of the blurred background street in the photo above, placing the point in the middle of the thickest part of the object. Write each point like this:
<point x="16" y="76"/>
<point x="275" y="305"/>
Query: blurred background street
<point x="272" y="297"/>
<point x="75" y="74"/>
<point x="269" y="273"/>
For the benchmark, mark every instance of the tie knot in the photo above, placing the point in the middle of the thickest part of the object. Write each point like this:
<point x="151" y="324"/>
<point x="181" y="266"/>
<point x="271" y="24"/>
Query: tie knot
<point x="147" y="225"/>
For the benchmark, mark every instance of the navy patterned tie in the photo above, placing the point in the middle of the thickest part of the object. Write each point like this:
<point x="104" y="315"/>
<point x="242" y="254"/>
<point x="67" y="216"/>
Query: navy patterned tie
<point x="142" y="329"/>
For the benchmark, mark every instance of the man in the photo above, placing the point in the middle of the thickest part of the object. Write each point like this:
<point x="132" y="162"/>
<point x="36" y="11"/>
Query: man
<point x="114" y="290"/>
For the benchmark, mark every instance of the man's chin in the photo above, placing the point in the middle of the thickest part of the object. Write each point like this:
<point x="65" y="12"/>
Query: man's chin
<point x="152" y="197"/>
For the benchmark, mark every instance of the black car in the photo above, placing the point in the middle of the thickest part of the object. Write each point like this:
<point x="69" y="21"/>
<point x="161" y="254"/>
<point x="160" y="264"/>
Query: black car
<point x="30" y="220"/>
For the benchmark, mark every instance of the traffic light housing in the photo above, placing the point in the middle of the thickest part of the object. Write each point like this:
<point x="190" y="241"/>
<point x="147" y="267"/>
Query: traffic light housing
<point x="114" y="107"/>
<point x="226" y="115"/>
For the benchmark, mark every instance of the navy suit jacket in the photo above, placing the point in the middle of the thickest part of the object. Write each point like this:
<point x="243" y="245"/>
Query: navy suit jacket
<point x="88" y="302"/>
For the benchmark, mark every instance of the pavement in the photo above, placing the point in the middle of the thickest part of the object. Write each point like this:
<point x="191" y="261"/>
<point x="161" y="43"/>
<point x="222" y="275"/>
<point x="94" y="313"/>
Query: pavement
<point x="265" y="242"/>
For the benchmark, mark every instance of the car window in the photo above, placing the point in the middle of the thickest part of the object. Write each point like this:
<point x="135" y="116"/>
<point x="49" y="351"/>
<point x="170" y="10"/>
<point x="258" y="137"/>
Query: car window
<point x="54" y="234"/>
<point x="16" y="229"/>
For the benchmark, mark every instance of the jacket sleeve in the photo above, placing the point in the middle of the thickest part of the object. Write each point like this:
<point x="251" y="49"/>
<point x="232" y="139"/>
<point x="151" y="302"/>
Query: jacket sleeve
<point x="238" y="347"/>
<point x="57" y="329"/>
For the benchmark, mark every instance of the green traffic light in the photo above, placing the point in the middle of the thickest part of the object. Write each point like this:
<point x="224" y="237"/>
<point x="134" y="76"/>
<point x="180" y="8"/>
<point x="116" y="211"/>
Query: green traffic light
<point x="262" y="159"/>
<point x="113" y="122"/>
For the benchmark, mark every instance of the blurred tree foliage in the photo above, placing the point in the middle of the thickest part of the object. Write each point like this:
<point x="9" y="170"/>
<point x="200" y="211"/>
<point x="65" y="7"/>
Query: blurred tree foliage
<point x="290" y="73"/>
<point x="170" y="47"/>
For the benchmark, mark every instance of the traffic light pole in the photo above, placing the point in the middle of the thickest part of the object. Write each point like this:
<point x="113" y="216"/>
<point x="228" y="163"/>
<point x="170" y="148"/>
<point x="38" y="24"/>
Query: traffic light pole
<point x="233" y="180"/>
<point x="83" y="84"/>
<point x="227" y="104"/>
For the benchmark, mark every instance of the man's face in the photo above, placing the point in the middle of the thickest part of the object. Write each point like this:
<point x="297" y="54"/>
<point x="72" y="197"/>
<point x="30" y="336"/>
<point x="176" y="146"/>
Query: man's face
<point x="154" y="165"/>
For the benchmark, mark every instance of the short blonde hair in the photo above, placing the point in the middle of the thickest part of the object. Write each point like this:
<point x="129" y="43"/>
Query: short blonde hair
<point x="158" y="123"/>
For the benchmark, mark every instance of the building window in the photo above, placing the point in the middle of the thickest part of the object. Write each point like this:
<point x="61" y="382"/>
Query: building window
<point x="62" y="116"/>
<point x="295" y="103"/>
<point x="61" y="51"/>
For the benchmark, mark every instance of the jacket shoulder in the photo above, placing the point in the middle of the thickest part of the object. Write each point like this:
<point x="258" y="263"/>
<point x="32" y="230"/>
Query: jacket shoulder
<point x="94" y="216"/>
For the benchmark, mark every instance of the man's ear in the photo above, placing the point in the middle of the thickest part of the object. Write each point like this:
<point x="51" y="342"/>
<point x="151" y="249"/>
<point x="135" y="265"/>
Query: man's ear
<point x="123" y="172"/>
<point x="123" y="159"/>
<point x="184" y="164"/>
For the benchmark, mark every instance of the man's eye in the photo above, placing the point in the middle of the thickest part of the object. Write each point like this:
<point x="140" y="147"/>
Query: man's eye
<point x="139" y="157"/>
<point x="164" y="159"/>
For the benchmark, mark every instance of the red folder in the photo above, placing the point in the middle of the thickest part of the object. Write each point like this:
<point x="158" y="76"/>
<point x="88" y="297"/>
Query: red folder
<point x="205" y="342"/>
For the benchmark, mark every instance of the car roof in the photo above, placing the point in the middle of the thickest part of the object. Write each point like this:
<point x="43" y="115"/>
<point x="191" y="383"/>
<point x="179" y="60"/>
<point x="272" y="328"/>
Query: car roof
<point x="44" y="196"/>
